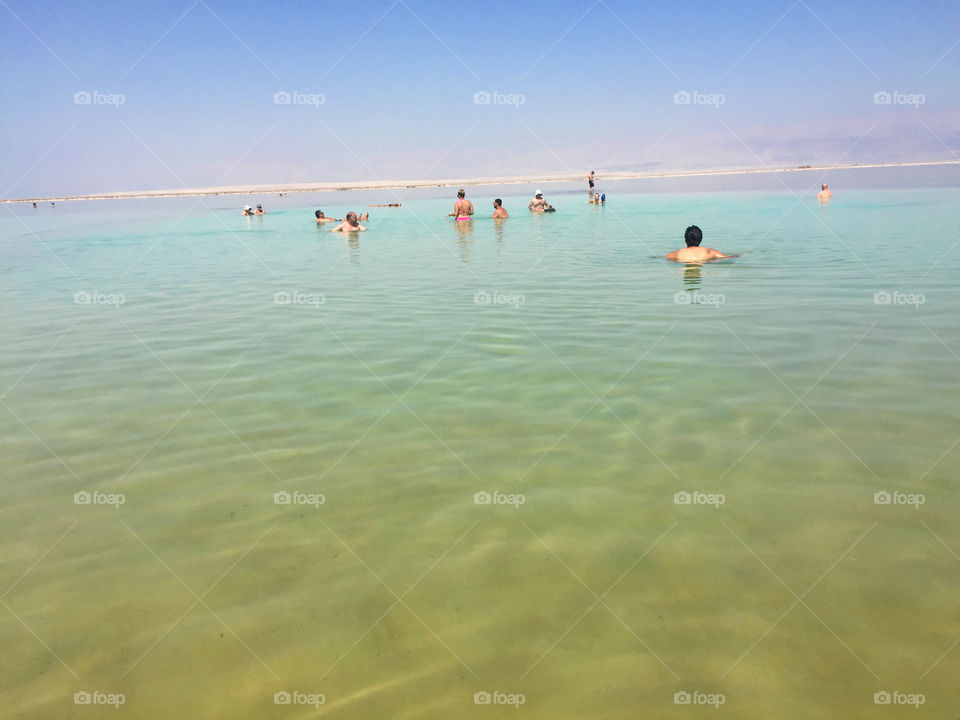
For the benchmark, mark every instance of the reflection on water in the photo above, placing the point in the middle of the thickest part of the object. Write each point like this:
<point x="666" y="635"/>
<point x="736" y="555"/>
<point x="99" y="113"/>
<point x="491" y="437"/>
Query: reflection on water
<point x="692" y="275"/>
<point x="465" y="233"/>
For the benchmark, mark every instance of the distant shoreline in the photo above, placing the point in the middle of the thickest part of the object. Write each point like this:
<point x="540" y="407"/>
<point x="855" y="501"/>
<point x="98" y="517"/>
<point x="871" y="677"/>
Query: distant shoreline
<point x="463" y="182"/>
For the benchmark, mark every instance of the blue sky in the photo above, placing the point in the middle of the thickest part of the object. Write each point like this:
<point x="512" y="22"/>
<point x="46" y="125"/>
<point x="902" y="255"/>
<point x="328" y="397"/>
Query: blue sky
<point x="783" y="82"/>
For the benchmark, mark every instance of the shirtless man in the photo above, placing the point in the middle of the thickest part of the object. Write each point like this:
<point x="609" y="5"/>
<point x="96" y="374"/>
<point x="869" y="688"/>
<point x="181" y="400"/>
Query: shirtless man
<point x="321" y="218"/>
<point x="462" y="208"/>
<point x="824" y="194"/>
<point x="498" y="211"/>
<point x="590" y="180"/>
<point x="260" y="210"/>
<point x="349" y="224"/>
<point x="693" y="252"/>
<point x="538" y="204"/>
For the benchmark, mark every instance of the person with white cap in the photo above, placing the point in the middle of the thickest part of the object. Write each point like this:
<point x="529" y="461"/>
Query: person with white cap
<point x="538" y="204"/>
<point x="247" y="210"/>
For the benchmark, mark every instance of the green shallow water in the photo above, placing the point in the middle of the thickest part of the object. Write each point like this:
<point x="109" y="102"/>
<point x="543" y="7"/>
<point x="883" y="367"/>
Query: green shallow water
<point x="605" y="382"/>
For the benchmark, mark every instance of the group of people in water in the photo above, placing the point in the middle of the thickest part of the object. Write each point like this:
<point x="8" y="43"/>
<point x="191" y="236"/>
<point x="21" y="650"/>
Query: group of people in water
<point x="463" y="212"/>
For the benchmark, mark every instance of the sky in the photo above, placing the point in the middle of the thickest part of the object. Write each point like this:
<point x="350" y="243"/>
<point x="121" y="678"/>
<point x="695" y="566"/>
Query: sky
<point x="109" y="96"/>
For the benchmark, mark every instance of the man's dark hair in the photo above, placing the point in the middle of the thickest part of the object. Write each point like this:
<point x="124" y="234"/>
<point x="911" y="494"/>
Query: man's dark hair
<point x="461" y="193"/>
<point x="318" y="214"/>
<point x="693" y="236"/>
<point x="498" y="202"/>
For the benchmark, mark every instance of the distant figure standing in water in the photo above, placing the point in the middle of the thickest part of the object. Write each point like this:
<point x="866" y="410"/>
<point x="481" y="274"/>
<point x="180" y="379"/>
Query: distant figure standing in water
<point x="590" y="180"/>
<point x="349" y="224"/>
<point x="498" y="211"/>
<point x="825" y="193"/>
<point x="462" y="208"/>
<point x="538" y="204"/>
<point x="693" y="252"/>
<point x="260" y="210"/>
<point x="247" y="210"/>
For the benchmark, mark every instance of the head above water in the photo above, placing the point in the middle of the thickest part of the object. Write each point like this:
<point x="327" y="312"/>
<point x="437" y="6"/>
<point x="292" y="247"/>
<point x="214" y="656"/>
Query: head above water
<point x="823" y="187"/>
<point x="352" y="218"/>
<point x="498" y="202"/>
<point x="693" y="236"/>
<point x="461" y="193"/>
<point x="318" y="214"/>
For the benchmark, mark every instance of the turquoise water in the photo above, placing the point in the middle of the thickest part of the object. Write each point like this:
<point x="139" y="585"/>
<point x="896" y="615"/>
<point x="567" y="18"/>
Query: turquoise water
<point x="554" y="360"/>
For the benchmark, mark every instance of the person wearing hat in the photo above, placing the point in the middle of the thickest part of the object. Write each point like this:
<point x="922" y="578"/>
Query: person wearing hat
<point x="538" y="203"/>
<point x="260" y="210"/>
<point x="247" y="210"/>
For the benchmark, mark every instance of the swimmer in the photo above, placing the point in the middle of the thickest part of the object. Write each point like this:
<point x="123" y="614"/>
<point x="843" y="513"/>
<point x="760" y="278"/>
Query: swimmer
<point x="260" y="211"/>
<point x="538" y="204"/>
<point x="463" y="208"/>
<point x="34" y="204"/>
<point x="595" y="200"/>
<point x="321" y="218"/>
<point x="498" y="211"/>
<point x="247" y="211"/>
<point x="349" y="224"/>
<point x="693" y="252"/>
<point x="825" y="193"/>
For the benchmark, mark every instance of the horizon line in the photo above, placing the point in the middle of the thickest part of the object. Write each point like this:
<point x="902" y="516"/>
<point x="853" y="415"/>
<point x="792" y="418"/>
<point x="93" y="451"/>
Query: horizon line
<point x="464" y="182"/>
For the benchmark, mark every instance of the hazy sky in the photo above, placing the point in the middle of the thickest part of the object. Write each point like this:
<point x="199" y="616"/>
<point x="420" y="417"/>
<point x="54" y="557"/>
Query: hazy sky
<point x="396" y="89"/>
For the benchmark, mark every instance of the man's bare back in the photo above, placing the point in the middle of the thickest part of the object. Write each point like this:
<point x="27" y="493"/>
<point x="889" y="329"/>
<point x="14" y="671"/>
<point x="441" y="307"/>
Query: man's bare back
<point x="693" y="252"/>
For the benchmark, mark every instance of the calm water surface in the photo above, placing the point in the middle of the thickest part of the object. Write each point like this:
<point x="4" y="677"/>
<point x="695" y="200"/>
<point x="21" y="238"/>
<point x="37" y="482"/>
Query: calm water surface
<point x="553" y="365"/>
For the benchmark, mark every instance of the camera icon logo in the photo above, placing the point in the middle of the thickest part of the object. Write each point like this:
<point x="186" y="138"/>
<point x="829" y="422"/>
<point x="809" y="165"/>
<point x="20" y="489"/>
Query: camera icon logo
<point x="282" y="298"/>
<point x="681" y="498"/>
<point x="281" y="98"/>
<point x="882" y="698"/>
<point x="681" y="298"/>
<point x="282" y="498"/>
<point x="482" y="498"/>
<point x="82" y="698"/>
<point x="281" y="698"/>
<point x="481" y="698"/>
<point x="882" y="298"/>
<point x="82" y="98"/>
<point x="82" y="498"/>
<point x="482" y="97"/>
<point x="882" y="98"/>
<point x="882" y="497"/>
<point x="681" y="698"/>
<point x="82" y="298"/>
<point x="481" y="297"/>
<point x="681" y="97"/>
